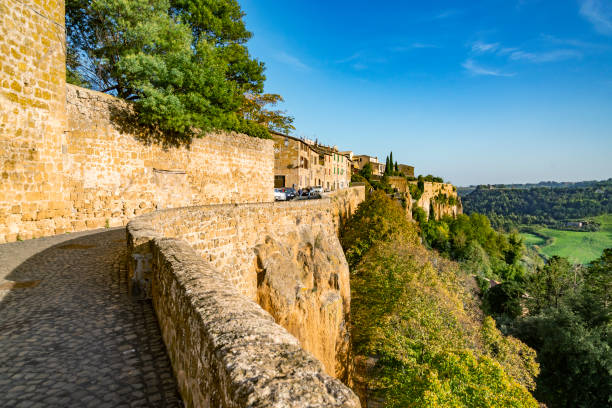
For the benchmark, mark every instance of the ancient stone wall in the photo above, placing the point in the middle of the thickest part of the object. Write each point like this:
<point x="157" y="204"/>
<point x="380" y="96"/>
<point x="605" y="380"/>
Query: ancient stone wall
<point x="113" y="172"/>
<point x="433" y="197"/>
<point x="286" y="256"/>
<point x="103" y="171"/>
<point x="344" y="203"/>
<point x="32" y="117"/>
<point x="226" y="350"/>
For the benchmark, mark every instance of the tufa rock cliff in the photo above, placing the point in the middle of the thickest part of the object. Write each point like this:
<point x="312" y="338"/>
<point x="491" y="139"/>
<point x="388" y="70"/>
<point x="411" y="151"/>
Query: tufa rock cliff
<point x="303" y="282"/>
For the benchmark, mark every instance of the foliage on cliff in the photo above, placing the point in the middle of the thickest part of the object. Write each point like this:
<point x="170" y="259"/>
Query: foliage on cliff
<point x="184" y="63"/>
<point x="471" y="240"/>
<point x="568" y="320"/>
<point x="413" y="311"/>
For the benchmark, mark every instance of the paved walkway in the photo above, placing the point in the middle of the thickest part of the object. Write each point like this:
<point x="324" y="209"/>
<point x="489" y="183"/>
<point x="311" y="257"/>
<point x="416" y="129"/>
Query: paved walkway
<point x="69" y="333"/>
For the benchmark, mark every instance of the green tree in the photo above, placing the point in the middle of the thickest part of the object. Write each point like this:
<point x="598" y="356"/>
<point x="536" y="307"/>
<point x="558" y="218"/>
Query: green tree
<point x="575" y="360"/>
<point x="417" y="322"/>
<point x="254" y="109"/>
<point x="550" y="283"/>
<point x="184" y="64"/>
<point x="366" y="171"/>
<point x="504" y="300"/>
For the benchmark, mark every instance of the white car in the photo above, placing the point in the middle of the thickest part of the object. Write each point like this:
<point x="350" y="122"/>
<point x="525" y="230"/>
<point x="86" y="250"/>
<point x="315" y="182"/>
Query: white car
<point x="316" y="189"/>
<point x="279" y="195"/>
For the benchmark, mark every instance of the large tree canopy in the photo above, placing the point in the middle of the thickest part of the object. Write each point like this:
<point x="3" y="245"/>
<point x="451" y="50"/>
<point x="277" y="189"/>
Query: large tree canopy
<point x="183" y="63"/>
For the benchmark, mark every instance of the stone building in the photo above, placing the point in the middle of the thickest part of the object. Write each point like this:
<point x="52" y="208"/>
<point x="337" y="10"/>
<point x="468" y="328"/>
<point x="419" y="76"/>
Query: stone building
<point x="378" y="168"/>
<point x="406" y="170"/>
<point x="300" y="163"/>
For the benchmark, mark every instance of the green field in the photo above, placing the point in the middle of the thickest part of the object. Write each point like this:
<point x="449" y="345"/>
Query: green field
<point x="579" y="247"/>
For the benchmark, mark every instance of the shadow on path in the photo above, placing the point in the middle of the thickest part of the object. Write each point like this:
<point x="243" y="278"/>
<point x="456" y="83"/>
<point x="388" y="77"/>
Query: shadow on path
<point x="70" y="335"/>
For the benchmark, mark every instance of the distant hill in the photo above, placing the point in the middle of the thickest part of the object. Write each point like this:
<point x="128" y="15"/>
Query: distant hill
<point x="464" y="191"/>
<point x="547" y="203"/>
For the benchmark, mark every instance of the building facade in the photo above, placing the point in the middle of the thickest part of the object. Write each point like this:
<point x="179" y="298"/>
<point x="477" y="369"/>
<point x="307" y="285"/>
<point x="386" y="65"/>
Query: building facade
<point x="300" y="163"/>
<point x="378" y="168"/>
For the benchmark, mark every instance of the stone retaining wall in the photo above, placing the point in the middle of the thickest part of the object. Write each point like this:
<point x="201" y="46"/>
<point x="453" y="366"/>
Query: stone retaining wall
<point x="103" y="170"/>
<point x="275" y="261"/>
<point x="226" y="350"/>
<point x="285" y="256"/>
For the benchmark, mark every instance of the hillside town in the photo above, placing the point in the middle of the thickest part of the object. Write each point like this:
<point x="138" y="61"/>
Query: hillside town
<point x="301" y="163"/>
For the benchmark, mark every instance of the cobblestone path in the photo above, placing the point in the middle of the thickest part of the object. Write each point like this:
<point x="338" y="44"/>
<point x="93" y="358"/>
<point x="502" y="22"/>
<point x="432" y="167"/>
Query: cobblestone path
<point x="69" y="333"/>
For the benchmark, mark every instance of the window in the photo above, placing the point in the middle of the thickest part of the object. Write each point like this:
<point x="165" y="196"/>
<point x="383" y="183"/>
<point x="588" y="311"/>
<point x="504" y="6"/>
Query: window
<point x="279" y="181"/>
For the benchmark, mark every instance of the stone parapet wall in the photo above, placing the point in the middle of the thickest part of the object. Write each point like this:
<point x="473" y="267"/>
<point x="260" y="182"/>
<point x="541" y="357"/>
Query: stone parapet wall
<point x="103" y="170"/>
<point x="226" y="350"/>
<point x="286" y="256"/>
<point x="344" y="203"/>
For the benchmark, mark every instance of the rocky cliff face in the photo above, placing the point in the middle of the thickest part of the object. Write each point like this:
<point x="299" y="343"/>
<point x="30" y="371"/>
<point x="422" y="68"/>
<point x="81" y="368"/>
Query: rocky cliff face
<point x="442" y="197"/>
<point x="303" y="282"/>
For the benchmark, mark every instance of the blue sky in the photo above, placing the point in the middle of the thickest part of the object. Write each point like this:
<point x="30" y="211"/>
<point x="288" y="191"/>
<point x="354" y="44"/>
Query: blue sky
<point x="495" y="91"/>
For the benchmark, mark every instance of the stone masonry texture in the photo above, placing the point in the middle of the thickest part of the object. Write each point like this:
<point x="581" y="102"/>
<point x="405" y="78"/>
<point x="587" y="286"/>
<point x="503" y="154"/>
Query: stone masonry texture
<point x="70" y="334"/>
<point x="284" y="255"/>
<point x="108" y="172"/>
<point x="225" y="349"/>
<point x="32" y="117"/>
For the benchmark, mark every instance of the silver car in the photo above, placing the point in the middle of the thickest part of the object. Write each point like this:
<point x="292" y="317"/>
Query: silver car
<point x="279" y="195"/>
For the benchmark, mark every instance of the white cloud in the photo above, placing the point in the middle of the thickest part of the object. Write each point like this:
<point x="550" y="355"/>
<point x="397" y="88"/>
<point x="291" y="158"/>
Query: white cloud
<point x="353" y="57"/>
<point x="599" y="13"/>
<point x="572" y="42"/>
<point x="549" y="56"/>
<point x="293" y="61"/>
<point x="482" y="47"/>
<point x="476" y="69"/>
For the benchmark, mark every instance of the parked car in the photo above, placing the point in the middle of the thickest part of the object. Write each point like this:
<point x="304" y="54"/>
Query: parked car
<point x="309" y="195"/>
<point x="317" y="189"/>
<point x="289" y="192"/>
<point x="279" y="195"/>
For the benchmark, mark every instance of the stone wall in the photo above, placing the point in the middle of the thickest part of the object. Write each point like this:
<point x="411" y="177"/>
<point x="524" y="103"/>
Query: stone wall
<point x="344" y="203"/>
<point x="32" y="117"/>
<point x="440" y="208"/>
<point x="114" y="173"/>
<point x="226" y="350"/>
<point x="286" y="256"/>
<point x="103" y="171"/>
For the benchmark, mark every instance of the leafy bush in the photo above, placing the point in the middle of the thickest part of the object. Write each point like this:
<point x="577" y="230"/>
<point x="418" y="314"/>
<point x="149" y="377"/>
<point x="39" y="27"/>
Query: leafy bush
<point x="376" y="219"/>
<point x="472" y="240"/>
